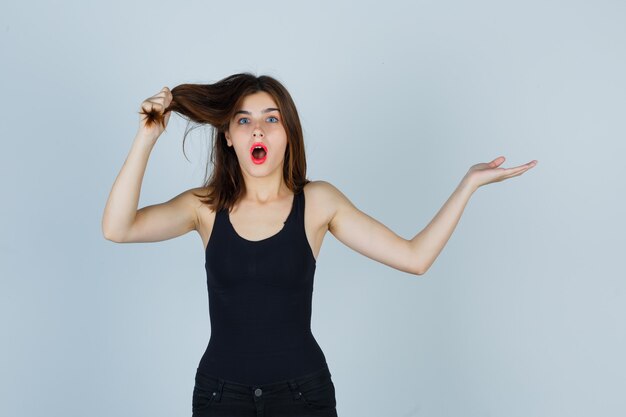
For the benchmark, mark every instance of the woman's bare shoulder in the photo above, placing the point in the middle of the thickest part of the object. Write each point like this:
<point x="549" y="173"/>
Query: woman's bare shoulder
<point x="321" y="190"/>
<point x="322" y="197"/>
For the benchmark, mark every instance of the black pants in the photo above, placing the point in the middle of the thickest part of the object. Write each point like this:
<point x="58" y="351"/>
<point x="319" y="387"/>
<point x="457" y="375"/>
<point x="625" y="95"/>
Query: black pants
<point x="312" y="394"/>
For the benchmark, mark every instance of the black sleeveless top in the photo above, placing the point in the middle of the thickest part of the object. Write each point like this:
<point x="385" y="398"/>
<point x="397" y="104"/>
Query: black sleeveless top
<point x="260" y="295"/>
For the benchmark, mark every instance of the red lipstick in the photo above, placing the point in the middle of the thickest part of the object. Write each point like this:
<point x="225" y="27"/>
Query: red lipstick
<point x="264" y="152"/>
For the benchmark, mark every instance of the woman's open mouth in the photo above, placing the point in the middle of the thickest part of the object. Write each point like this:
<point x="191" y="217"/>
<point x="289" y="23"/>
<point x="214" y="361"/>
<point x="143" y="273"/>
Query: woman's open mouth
<point x="258" y="152"/>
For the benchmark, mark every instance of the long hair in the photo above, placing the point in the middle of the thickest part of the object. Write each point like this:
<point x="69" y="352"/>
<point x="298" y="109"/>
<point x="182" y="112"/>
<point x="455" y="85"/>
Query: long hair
<point x="215" y="104"/>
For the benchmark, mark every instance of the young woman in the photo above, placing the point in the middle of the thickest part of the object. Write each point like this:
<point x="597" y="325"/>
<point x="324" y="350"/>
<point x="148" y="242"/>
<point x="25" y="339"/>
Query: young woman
<point x="261" y="245"/>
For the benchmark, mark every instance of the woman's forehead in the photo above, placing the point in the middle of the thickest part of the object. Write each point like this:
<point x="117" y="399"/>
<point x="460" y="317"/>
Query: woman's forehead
<point x="257" y="102"/>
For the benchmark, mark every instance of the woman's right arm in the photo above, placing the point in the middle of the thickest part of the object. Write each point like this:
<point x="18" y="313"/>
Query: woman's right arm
<point x="121" y="221"/>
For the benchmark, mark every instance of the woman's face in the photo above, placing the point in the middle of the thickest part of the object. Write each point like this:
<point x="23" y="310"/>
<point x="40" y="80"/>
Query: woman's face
<point x="258" y="123"/>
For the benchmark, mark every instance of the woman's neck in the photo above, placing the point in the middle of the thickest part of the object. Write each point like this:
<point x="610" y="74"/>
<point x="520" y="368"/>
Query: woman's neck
<point x="265" y="189"/>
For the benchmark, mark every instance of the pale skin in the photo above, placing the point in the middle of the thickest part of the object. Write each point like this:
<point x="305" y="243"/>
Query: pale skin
<point x="267" y="203"/>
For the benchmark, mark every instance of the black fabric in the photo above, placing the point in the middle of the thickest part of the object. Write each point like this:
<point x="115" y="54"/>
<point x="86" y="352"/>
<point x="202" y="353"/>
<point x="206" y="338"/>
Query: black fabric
<point x="260" y="295"/>
<point x="309" y="395"/>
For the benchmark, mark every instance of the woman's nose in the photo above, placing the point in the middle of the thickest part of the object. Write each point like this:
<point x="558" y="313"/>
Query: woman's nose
<point x="257" y="133"/>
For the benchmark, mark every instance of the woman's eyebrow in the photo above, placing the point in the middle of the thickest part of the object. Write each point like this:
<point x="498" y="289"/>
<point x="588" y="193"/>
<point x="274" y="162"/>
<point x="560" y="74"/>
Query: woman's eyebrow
<point x="269" y="109"/>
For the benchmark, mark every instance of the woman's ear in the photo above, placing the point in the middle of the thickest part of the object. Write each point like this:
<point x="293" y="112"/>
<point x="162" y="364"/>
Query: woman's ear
<point x="228" y="141"/>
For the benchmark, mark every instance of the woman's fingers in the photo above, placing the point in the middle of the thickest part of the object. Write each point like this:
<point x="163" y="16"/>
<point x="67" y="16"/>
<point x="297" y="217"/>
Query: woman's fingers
<point x="153" y="104"/>
<point x="158" y="101"/>
<point x="525" y="166"/>
<point x="486" y="173"/>
<point x="153" y="120"/>
<point x="495" y="162"/>
<point x="167" y="96"/>
<point x="514" y="172"/>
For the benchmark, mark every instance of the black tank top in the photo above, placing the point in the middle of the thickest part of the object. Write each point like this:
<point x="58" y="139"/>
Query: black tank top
<point x="260" y="295"/>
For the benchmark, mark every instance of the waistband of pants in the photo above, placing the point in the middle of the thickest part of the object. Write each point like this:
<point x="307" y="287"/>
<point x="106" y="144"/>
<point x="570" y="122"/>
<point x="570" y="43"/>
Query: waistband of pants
<point x="292" y="383"/>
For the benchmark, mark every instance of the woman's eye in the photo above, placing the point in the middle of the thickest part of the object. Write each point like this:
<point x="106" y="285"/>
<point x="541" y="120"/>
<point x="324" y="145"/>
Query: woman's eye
<point x="245" y="120"/>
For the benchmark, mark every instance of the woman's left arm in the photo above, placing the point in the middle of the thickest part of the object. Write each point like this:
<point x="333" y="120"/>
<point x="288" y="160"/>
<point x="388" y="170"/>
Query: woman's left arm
<point x="428" y="244"/>
<point x="373" y="239"/>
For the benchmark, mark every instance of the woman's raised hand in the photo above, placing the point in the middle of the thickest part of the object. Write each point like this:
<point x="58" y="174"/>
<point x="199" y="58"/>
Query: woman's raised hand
<point x="153" y="121"/>
<point x="486" y="173"/>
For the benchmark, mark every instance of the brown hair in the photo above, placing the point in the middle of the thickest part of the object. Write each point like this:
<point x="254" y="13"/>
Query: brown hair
<point x="215" y="104"/>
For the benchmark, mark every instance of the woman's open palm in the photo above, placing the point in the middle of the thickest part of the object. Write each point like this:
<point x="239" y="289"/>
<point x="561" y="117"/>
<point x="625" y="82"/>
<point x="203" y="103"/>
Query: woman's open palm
<point x="486" y="173"/>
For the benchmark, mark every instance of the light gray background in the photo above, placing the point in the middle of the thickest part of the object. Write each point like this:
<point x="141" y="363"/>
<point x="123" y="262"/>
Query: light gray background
<point x="523" y="312"/>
